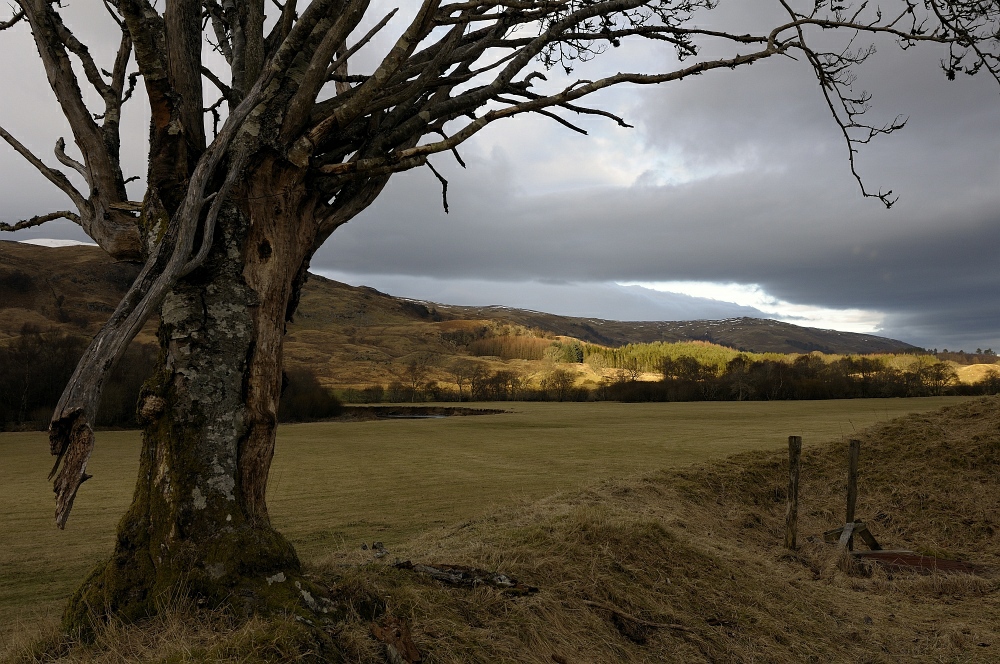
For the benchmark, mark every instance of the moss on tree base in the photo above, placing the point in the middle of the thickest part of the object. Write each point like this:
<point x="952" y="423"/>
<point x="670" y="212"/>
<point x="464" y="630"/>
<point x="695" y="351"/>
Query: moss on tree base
<point x="263" y="581"/>
<point x="127" y="588"/>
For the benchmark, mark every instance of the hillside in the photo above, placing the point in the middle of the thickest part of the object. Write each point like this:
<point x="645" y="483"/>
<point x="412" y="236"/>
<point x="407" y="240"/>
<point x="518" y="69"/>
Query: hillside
<point x="758" y="335"/>
<point x="75" y="288"/>
<point x="68" y="289"/>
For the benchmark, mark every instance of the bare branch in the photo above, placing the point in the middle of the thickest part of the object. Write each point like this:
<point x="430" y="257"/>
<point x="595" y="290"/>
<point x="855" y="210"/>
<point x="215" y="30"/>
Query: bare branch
<point x="549" y="114"/>
<point x="227" y="92"/>
<point x="251" y="13"/>
<point x="81" y="51"/>
<point x="341" y="83"/>
<point x="583" y="110"/>
<point x="52" y="175"/>
<point x="407" y="105"/>
<point x="99" y="145"/>
<point x="403" y="159"/>
<point x="114" y="15"/>
<point x="288" y="17"/>
<point x="833" y="73"/>
<point x="318" y="55"/>
<point x="337" y="71"/>
<point x="127" y="206"/>
<point x="120" y="69"/>
<point x="444" y="185"/>
<point x="236" y="166"/>
<point x="221" y="28"/>
<point x="50" y="37"/>
<point x="216" y="117"/>
<point x="349" y="78"/>
<point x="461" y="7"/>
<point x="342" y="58"/>
<point x="65" y="160"/>
<point x="454" y="151"/>
<point x="39" y="220"/>
<point x="182" y="26"/>
<point x="237" y="38"/>
<point x="299" y="32"/>
<point x="132" y="80"/>
<point x="354" y="107"/>
<point x="13" y="20"/>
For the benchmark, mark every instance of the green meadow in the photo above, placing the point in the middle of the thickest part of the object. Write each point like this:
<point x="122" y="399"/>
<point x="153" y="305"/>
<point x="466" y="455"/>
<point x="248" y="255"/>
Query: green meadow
<point x="336" y="485"/>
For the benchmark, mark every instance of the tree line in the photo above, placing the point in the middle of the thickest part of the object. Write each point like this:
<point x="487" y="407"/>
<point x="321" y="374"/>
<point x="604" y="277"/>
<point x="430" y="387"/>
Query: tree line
<point x="699" y="370"/>
<point x="685" y="378"/>
<point x="36" y="364"/>
<point x="806" y="377"/>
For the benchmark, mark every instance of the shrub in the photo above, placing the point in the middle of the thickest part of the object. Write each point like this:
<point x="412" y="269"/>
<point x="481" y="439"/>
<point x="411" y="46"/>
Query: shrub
<point x="304" y="399"/>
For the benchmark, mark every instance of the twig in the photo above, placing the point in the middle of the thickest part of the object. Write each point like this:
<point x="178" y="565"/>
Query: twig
<point x="444" y="185"/>
<point x="13" y="20"/>
<point x="52" y="175"/>
<point x="334" y="66"/>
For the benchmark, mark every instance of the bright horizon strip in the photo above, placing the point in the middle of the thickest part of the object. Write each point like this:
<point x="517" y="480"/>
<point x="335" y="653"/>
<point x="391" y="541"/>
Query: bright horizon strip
<point x="752" y="295"/>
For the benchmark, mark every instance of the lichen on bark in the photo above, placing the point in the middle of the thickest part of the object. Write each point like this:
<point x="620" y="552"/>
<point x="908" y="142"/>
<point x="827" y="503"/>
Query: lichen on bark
<point x="194" y="524"/>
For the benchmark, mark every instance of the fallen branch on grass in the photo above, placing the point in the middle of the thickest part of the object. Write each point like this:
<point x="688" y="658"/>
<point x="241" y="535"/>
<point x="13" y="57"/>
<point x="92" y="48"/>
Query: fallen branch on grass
<point x="638" y="621"/>
<point x="469" y="577"/>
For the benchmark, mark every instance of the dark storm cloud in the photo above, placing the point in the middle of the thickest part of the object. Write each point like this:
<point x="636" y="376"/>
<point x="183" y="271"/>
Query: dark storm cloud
<point x="771" y="201"/>
<point x="597" y="300"/>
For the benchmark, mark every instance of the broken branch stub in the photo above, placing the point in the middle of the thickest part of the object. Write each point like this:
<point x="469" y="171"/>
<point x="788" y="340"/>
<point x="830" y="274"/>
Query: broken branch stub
<point x="72" y="439"/>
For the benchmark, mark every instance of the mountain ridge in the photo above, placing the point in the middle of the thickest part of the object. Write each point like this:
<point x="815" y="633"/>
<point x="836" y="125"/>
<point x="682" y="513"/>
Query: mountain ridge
<point x="73" y="289"/>
<point x="762" y="335"/>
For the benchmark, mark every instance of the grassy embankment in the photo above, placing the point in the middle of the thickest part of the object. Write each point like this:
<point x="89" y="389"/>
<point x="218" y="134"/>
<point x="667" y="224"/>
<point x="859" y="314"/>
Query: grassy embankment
<point x="337" y="485"/>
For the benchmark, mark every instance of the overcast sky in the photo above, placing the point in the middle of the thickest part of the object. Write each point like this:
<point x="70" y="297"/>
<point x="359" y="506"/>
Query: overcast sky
<point x="733" y="186"/>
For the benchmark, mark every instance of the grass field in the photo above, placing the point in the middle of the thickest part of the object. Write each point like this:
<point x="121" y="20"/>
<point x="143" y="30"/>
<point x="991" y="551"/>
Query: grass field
<point x="336" y="485"/>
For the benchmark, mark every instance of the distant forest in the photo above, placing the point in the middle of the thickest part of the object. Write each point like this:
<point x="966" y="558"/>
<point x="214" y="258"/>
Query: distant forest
<point x="686" y="378"/>
<point x="35" y="366"/>
<point x="688" y="371"/>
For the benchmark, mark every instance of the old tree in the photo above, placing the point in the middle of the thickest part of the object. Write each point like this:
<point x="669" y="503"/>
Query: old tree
<point x="265" y="136"/>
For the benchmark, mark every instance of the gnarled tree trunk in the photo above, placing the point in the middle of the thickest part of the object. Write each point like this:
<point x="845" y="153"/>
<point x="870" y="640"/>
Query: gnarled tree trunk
<point x="198" y="522"/>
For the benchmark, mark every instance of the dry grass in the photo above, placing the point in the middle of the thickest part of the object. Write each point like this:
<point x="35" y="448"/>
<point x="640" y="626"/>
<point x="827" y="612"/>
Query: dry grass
<point x="180" y="632"/>
<point x="701" y="548"/>
<point x="696" y="548"/>
<point x="972" y="373"/>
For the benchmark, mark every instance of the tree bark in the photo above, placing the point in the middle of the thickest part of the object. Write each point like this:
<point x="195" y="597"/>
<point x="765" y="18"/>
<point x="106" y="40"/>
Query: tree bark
<point x="198" y="522"/>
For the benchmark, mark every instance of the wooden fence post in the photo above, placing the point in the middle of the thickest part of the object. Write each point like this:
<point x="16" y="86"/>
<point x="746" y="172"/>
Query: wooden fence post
<point x="852" y="485"/>
<point x="792" y="511"/>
